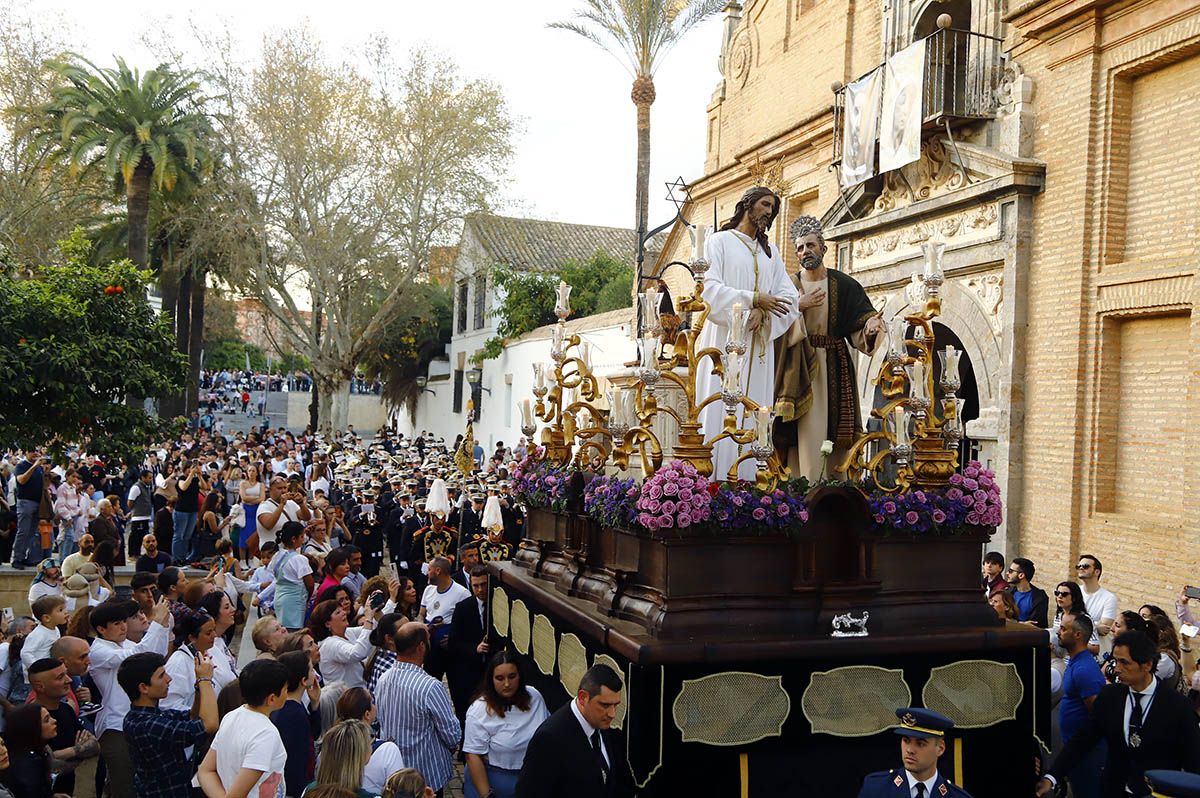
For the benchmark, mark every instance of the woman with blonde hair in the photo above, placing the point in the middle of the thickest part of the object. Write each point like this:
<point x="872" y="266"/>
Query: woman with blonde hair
<point x="345" y="751"/>
<point x="407" y="783"/>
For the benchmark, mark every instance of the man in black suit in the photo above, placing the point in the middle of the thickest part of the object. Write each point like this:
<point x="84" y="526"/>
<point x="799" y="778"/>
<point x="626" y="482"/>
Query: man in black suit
<point x="575" y="754"/>
<point x="1147" y="726"/>
<point x="469" y="643"/>
<point x="468" y="555"/>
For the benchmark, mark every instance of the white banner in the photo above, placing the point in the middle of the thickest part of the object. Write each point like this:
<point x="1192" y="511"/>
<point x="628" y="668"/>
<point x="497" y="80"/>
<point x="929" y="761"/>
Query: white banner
<point x="900" y="127"/>
<point x="860" y="128"/>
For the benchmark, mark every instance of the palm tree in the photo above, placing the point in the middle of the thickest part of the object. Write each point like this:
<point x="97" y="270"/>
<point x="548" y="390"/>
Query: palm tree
<point x="144" y="131"/>
<point x="639" y="33"/>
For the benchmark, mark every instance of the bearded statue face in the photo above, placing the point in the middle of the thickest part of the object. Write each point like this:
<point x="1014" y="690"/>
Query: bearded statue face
<point x="810" y="249"/>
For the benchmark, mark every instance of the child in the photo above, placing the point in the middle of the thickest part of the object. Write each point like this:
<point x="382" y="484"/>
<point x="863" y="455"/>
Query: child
<point x="247" y="755"/>
<point x="51" y="613"/>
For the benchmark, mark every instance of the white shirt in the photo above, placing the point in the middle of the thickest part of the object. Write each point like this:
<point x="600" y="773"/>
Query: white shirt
<point x="503" y="740"/>
<point x="588" y="729"/>
<point x="37" y="644"/>
<point x="442" y="603"/>
<point x="385" y="760"/>
<point x="39" y="589"/>
<point x="181" y="667"/>
<point x="912" y="784"/>
<point x="342" y="658"/>
<point x="291" y="512"/>
<point x="106" y="658"/>
<point x="248" y="739"/>
<point x="1147" y="700"/>
<point x="1101" y="604"/>
<point x="134" y="493"/>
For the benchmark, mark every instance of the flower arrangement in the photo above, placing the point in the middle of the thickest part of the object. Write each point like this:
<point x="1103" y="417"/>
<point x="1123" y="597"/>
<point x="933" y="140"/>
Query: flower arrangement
<point x="538" y="483"/>
<point x="612" y="501"/>
<point x="740" y="508"/>
<point x="677" y="496"/>
<point x="972" y="499"/>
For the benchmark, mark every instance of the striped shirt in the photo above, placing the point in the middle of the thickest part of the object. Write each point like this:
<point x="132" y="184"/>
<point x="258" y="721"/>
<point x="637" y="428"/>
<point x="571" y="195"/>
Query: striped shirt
<point x="415" y="713"/>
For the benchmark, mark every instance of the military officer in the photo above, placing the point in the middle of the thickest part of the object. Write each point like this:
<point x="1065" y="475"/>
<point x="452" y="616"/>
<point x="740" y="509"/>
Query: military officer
<point x="366" y="526"/>
<point x="922" y="740"/>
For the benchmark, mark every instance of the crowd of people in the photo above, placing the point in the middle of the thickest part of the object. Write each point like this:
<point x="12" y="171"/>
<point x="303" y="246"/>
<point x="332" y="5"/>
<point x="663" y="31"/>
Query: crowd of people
<point x="354" y="571"/>
<point x="1125" y="686"/>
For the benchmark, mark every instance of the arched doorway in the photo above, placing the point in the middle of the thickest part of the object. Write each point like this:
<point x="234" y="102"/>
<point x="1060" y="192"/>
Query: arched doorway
<point x="959" y="11"/>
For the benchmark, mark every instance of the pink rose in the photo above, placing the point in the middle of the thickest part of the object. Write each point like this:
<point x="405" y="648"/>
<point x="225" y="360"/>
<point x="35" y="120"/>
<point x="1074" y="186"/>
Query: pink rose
<point x="956" y="479"/>
<point x="973" y="519"/>
<point x="939" y="517"/>
<point x="980" y="496"/>
<point x="738" y="501"/>
<point x="701" y="483"/>
<point x="783" y="510"/>
<point x="954" y="494"/>
<point x="759" y="514"/>
<point x="911" y="517"/>
<point x="970" y="485"/>
<point x="666" y="522"/>
<point x="889" y="508"/>
<point x="655" y="492"/>
<point x="654" y="506"/>
<point x="878" y="518"/>
<point x="685" y="495"/>
<point x="685" y="519"/>
<point x="967" y="501"/>
<point x="971" y="471"/>
<point x="645" y="519"/>
<point x="804" y="516"/>
<point x="668" y="507"/>
<point x="670" y="488"/>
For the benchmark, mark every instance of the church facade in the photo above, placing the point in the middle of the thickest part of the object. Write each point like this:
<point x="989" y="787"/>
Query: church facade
<point x="1057" y="163"/>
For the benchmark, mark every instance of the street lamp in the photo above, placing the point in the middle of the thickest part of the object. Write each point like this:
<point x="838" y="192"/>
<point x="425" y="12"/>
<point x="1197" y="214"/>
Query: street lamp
<point x="474" y="379"/>
<point x="422" y="381"/>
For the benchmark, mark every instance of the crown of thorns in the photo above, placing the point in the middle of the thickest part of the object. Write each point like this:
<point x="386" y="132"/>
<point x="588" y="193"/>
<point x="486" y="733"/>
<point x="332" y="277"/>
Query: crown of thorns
<point x="805" y="226"/>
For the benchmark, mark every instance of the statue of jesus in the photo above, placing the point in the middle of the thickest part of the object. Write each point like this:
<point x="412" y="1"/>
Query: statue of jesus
<point x="745" y="271"/>
<point x="816" y="399"/>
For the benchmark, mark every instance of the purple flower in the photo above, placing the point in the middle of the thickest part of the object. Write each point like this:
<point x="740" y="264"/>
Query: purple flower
<point x="889" y="508"/>
<point x="655" y="491"/>
<point x="972" y="470"/>
<point x="738" y="500"/>
<point x="685" y="495"/>
<point x="670" y="488"/>
<point x="783" y="510"/>
<point x="939" y="517"/>
<point x="967" y="501"/>
<point x="911" y="517"/>
<point x="973" y="519"/>
<point x="878" y="518"/>
<point x="971" y="485"/>
<point x="551" y="480"/>
<point x="654" y="506"/>
<point x="668" y="507"/>
<point x="666" y="521"/>
<point x="759" y="513"/>
<point x="954" y="494"/>
<point x="645" y="520"/>
<point x="956" y="479"/>
<point x="981" y="496"/>
<point x="685" y="520"/>
<point x="632" y="492"/>
<point x="919" y="496"/>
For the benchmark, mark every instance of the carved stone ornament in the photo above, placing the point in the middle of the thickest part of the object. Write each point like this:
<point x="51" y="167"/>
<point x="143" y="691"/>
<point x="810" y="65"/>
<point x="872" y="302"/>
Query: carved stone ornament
<point x="931" y="175"/>
<point x="989" y="290"/>
<point x="977" y="223"/>
<point x="741" y="54"/>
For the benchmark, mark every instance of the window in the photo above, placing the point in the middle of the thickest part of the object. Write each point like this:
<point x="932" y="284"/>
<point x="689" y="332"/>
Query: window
<point x="480" y="300"/>
<point x="461" y="325"/>
<point x="458" y="389"/>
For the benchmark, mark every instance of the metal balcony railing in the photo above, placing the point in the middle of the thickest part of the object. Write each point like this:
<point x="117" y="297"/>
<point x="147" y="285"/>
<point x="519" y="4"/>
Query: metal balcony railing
<point x="962" y="72"/>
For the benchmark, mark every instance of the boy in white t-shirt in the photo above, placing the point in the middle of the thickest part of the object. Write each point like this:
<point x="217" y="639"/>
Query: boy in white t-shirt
<point x="247" y="756"/>
<point x="51" y="613"/>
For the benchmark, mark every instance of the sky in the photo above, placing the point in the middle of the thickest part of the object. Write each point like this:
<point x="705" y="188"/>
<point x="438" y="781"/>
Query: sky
<point x="576" y="152"/>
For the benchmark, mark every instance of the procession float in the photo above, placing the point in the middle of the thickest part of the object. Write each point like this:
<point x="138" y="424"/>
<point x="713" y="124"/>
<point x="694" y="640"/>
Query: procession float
<point x="765" y="631"/>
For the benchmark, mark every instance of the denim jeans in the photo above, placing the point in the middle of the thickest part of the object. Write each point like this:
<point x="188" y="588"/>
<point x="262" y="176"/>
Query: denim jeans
<point x="69" y="546"/>
<point x="183" y="544"/>
<point x="27" y="546"/>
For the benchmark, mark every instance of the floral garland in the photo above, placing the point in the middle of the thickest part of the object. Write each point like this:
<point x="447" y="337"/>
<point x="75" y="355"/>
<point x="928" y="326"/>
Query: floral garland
<point x="973" y="499"/>
<point x="539" y="483"/>
<point x="612" y="501"/>
<point x="742" y="508"/>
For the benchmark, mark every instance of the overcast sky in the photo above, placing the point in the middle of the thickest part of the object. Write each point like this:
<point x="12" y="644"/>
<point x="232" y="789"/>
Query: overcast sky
<point x="576" y="154"/>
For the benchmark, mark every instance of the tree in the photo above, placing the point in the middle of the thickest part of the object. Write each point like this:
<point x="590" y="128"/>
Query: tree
<point x="410" y="343"/>
<point x="639" y="33"/>
<point x="527" y="300"/>
<point x="142" y="131"/>
<point x="342" y="182"/>
<point x="80" y="339"/>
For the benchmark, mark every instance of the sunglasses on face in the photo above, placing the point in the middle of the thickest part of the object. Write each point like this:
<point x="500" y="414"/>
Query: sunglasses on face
<point x="1062" y="593"/>
<point x="1082" y="567"/>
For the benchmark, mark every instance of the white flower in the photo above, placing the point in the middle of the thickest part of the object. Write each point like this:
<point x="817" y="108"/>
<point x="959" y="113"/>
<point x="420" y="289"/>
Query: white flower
<point x="826" y="448"/>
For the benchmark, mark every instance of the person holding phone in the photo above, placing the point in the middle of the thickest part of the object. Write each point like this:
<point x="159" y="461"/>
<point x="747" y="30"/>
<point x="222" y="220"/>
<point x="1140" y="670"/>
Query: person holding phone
<point x="194" y="636"/>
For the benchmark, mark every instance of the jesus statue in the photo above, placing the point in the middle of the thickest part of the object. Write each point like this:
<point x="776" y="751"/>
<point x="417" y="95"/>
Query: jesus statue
<point x="816" y="399"/>
<point x="745" y="271"/>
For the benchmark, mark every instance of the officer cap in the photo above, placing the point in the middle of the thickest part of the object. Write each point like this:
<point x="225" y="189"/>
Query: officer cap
<point x="1173" y="784"/>
<point x="920" y="722"/>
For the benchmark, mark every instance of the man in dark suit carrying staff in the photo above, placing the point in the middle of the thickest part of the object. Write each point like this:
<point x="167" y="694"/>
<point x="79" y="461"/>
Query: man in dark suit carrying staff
<point x="1147" y="726"/>
<point x="575" y="754"/>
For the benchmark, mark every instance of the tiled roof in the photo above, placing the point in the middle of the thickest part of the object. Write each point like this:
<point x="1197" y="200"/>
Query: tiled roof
<point x="540" y="246"/>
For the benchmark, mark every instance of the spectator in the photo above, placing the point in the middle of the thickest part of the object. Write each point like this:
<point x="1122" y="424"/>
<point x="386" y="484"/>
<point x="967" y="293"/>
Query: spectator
<point x="500" y="724"/>
<point x="282" y="506"/>
<point x="70" y="564"/>
<point x="51" y="613"/>
<point x="250" y="492"/>
<point x="297" y="724"/>
<point x="152" y="560"/>
<point x="1082" y="682"/>
<point x="29" y="476"/>
<point x="71" y="744"/>
<point x="29" y="730"/>
<point x="105" y="558"/>
<point x="1032" y="602"/>
<point x="267" y="634"/>
<point x="441" y="596"/>
<point x="48" y="581"/>
<point x="384" y="656"/>
<point x="345" y="750"/>
<point x="343" y="648"/>
<point x="336" y="568"/>
<point x="194" y="636"/>
<point x="103" y="529"/>
<point x="221" y="610"/>
<point x="187" y="509"/>
<point x="1138" y="739"/>
<point x="164" y="524"/>
<point x="293" y="577"/>
<point x="407" y="783"/>
<point x="110" y="648"/>
<point x="140" y="501"/>
<point x="247" y="755"/>
<point x="469" y="644"/>
<point x="1101" y="603"/>
<point x="1168" y="670"/>
<point x="415" y="710"/>
<point x="4" y="761"/>
<point x="1004" y="605"/>
<point x="356" y="704"/>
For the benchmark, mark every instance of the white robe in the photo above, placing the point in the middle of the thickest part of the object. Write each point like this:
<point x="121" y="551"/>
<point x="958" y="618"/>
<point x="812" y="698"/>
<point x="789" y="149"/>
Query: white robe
<point x="732" y="278"/>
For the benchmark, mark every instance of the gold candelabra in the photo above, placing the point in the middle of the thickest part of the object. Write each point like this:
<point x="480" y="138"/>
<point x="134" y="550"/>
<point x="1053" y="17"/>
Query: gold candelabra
<point x="920" y="441"/>
<point x="566" y="393"/>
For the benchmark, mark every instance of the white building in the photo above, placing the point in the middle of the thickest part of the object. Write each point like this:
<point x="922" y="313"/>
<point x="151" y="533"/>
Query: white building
<point x="528" y="245"/>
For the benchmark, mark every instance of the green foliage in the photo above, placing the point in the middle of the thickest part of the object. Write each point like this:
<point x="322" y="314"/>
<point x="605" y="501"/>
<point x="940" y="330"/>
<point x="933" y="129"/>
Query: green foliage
<point x="598" y="285"/>
<point x="80" y="340"/>
<point x="230" y="353"/>
<point x="411" y="340"/>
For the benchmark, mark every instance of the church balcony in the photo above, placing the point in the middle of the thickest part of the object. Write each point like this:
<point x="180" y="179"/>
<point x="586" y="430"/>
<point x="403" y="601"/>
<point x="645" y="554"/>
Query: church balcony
<point x="963" y="70"/>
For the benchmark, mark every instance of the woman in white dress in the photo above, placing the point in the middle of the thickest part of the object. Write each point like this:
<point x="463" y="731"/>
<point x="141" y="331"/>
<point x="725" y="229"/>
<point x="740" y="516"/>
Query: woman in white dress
<point x="498" y="728"/>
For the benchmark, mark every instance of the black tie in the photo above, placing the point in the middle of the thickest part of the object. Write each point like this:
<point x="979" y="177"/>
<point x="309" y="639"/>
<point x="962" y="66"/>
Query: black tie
<point x="920" y="789"/>
<point x="1135" y="717"/>
<point x="600" y="756"/>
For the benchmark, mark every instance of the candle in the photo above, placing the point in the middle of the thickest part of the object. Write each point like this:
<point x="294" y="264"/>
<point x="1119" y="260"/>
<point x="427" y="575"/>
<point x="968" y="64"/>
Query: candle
<point x="916" y="379"/>
<point x="731" y="382"/>
<point x="699" y="234"/>
<point x="563" y="306"/>
<point x="539" y="374"/>
<point x="762" y="427"/>
<point x="900" y="418"/>
<point x="585" y="354"/>
<point x="738" y="316"/>
<point x="556" y="338"/>
<point x="526" y="413"/>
